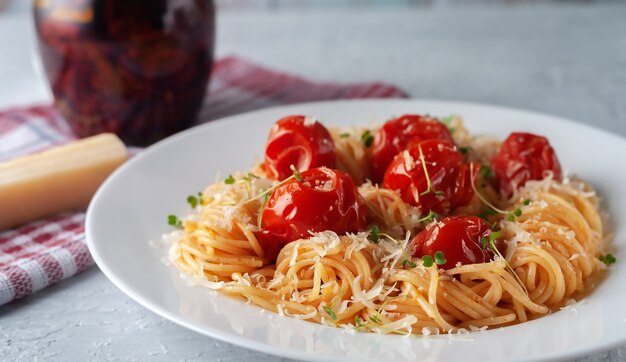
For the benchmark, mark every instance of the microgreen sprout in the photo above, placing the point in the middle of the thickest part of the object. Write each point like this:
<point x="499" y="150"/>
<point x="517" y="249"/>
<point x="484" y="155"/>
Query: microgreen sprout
<point x="249" y="177"/>
<point x="509" y="216"/>
<point x="440" y="258"/>
<point x="330" y="312"/>
<point x="174" y="221"/>
<point x="485" y="201"/>
<point x="269" y="191"/>
<point x="229" y="180"/>
<point x="358" y="322"/>
<point x="432" y="216"/>
<point x="494" y="235"/>
<point x="375" y="319"/>
<point x="428" y="183"/>
<point x="486" y="241"/>
<point x="409" y="263"/>
<point x="296" y="173"/>
<point x="464" y="150"/>
<point x="490" y="242"/>
<point x="374" y="234"/>
<point x="367" y="138"/>
<point x="192" y="201"/>
<point x="607" y="259"/>
<point x="427" y="260"/>
<point x="344" y="135"/>
<point x="515" y="213"/>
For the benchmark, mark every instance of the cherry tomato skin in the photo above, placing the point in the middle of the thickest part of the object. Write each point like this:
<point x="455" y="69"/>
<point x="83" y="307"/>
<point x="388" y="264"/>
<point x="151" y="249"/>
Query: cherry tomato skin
<point x="523" y="157"/>
<point x="300" y="141"/>
<point x="449" y="178"/>
<point x="463" y="188"/>
<point x="397" y="134"/>
<point x="458" y="237"/>
<point x="325" y="199"/>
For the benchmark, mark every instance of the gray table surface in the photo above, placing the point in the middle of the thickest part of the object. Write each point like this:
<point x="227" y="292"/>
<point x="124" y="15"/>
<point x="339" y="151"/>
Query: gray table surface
<point x="565" y="60"/>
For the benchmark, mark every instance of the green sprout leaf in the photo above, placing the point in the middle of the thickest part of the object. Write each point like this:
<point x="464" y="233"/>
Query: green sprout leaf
<point x="174" y="221"/>
<point x="428" y="183"/>
<point x="229" y="180"/>
<point x="484" y="242"/>
<point x="430" y="217"/>
<point x="358" y="322"/>
<point x="192" y="201"/>
<point x="374" y="234"/>
<point x="249" y="177"/>
<point x="409" y="263"/>
<point x="494" y="236"/>
<point x="440" y="259"/>
<point x="330" y="312"/>
<point x="607" y="259"/>
<point x="367" y="138"/>
<point x="428" y="261"/>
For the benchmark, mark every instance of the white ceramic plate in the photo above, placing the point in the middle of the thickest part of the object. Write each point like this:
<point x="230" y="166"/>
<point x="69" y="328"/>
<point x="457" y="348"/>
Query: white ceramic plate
<point x="131" y="207"/>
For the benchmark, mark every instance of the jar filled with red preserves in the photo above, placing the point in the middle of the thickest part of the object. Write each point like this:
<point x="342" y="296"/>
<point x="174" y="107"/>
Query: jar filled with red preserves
<point x="139" y="69"/>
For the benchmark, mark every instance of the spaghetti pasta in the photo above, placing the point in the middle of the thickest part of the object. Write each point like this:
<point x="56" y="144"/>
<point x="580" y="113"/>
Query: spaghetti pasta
<point x="347" y="280"/>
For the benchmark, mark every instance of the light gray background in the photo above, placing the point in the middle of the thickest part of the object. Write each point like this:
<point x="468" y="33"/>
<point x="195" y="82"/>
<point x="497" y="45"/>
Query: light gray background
<point x="568" y="60"/>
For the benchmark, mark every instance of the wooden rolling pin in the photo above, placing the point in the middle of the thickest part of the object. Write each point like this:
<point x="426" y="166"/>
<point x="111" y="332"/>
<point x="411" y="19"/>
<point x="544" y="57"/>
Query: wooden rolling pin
<point x="59" y="179"/>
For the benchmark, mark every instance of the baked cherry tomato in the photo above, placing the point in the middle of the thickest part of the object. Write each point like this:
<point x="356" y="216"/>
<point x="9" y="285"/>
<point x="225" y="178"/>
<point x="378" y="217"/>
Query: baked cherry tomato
<point x="450" y="178"/>
<point x="458" y="237"/>
<point x="397" y="134"/>
<point x="523" y="157"/>
<point x="324" y="199"/>
<point x="300" y="141"/>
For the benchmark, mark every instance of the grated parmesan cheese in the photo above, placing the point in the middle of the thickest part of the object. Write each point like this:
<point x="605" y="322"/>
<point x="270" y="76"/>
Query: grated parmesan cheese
<point x="277" y="280"/>
<point x="309" y="315"/>
<point x="365" y="298"/>
<point x="403" y="323"/>
<point x="294" y="254"/>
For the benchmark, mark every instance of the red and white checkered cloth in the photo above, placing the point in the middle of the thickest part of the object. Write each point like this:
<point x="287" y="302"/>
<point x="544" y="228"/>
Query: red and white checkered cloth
<point x="43" y="252"/>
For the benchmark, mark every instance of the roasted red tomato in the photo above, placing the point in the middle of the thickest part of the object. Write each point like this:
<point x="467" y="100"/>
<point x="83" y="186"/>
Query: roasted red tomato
<point x="450" y="179"/>
<point x="300" y="141"/>
<point x="458" y="237"/>
<point x="397" y="134"/>
<point x="523" y="157"/>
<point x="324" y="199"/>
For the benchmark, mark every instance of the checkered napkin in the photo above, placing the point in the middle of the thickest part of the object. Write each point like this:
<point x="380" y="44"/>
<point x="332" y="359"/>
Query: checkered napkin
<point x="41" y="253"/>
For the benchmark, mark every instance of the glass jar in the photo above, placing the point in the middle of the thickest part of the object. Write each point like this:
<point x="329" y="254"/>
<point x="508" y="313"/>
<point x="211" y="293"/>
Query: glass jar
<point x="139" y="69"/>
